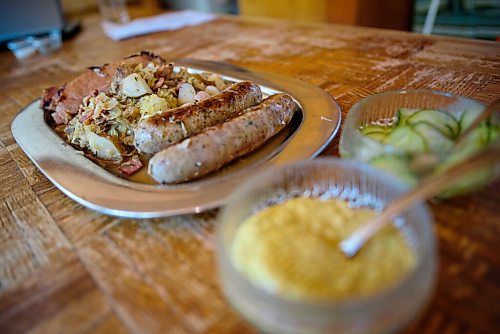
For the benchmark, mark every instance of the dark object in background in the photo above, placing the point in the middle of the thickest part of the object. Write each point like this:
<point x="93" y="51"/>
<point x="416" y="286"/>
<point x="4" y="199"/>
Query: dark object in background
<point x="387" y="14"/>
<point x="70" y="29"/>
<point x="20" y="18"/>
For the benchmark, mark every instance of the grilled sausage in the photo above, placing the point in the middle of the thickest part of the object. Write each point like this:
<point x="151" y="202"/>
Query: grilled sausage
<point x="218" y="145"/>
<point x="170" y="127"/>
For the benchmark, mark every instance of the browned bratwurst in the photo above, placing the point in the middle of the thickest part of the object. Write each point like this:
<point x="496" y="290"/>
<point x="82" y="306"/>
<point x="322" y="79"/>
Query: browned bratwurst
<point x="170" y="127"/>
<point x="218" y="145"/>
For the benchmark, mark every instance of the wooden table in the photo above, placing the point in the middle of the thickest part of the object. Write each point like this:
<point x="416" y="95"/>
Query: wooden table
<point x="65" y="268"/>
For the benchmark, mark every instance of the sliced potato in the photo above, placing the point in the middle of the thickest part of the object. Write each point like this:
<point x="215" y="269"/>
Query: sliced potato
<point x="187" y="94"/>
<point x="135" y="86"/>
<point x="102" y="147"/>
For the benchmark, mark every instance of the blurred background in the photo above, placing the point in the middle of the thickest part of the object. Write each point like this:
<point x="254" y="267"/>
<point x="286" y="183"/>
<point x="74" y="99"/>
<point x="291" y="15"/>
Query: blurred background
<point x="465" y="18"/>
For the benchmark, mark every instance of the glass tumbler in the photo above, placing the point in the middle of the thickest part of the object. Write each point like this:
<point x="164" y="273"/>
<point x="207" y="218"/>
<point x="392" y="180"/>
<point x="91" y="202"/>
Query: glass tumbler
<point x="114" y="10"/>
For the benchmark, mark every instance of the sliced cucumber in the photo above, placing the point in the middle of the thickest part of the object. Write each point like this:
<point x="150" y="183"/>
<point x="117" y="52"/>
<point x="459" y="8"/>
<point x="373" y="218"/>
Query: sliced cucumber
<point x="440" y="119"/>
<point x="376" y="135"/>
<point x="404" y="113"/>
<point x="476" y="140"/>
<point x="366" y="129"/>
<point x="468" y="117"/>
<point x="395" y="165"/>
<point x="375" y="132"/>
<point x="407" y="139"/>
<point x="471" y="182"/>
<point x="436" y="140"/>
<point x="494" y="132"/>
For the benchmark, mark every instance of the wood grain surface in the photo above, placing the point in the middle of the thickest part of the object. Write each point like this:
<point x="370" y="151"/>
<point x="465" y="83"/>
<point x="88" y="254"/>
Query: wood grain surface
<point x="67" y="269"/>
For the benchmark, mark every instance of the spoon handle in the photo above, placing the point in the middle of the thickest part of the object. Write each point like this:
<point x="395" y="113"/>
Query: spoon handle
<point x="428" y="188"/>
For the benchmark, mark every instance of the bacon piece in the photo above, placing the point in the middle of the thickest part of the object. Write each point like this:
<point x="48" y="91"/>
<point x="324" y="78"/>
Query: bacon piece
<point x="51" y="97"/>
<point x="65" y="110"/>
<point x="85" y="117"/>
<point x="48" y="96"/>
<point x="122" y="71"/>
<point x="131" y="166"/>
<point x="165" y="71"/>
<point x="61" y="117"/>
<point x="159" y="83"/>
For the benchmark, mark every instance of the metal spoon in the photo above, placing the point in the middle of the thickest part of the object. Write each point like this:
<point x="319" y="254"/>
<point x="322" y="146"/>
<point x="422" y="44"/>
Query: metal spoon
<point x="431" y="186"/>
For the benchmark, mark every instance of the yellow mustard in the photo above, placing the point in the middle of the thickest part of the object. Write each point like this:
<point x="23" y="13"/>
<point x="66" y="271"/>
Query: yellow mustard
<point x="291" y="249"/>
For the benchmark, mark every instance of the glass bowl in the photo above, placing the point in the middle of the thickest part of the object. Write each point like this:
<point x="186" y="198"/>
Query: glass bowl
<point x="362" y="186"/>
<point x="384" y="107"/>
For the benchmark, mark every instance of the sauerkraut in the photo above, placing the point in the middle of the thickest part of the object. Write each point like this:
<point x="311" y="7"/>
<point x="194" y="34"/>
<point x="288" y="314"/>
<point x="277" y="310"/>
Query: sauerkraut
<point x="104" y="125"/>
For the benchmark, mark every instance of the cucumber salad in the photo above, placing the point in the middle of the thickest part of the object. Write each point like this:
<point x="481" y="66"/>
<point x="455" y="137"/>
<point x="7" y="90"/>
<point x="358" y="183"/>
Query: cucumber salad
<point x="417" y="132"/>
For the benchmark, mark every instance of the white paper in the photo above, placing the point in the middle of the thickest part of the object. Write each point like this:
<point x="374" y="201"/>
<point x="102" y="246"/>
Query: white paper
<point x="162" y="22"/>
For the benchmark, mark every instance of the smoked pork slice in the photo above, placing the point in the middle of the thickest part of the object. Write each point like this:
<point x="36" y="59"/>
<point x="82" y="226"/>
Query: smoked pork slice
<point x="65" y="101"/>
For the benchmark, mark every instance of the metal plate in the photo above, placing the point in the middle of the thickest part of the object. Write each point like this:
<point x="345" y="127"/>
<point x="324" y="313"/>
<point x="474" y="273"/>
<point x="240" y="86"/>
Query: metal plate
<point x="96" y="188"/>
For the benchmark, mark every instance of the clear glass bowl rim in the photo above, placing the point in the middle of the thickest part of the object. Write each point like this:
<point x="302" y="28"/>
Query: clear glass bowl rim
<point x="350" y="127"/>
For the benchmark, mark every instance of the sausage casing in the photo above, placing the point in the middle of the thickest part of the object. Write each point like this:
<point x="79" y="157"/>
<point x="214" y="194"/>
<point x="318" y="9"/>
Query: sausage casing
<point x="170" y="127"/>
<point x="218" y="145"/>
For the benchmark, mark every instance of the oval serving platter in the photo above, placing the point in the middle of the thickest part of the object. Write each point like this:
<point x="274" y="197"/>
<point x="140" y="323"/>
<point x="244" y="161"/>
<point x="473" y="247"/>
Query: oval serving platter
<point x="94" y="187"/>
